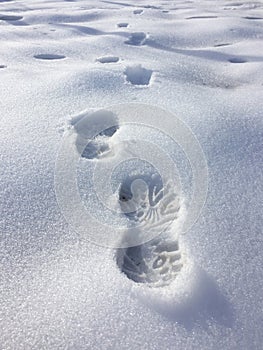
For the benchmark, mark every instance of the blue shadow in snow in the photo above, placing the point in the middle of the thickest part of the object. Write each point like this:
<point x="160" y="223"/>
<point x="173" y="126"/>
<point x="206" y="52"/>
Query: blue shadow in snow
<point x="204" y="305"/>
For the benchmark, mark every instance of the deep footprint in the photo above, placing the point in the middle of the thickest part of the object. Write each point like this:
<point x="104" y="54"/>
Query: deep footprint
<point x="45" y="56"/>
<point x="137" y="75"/>
<point x="156" y="263"/>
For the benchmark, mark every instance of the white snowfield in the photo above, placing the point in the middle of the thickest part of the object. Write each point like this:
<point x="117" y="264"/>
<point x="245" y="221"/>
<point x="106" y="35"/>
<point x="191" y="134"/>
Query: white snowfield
<point x="201" y="60"/>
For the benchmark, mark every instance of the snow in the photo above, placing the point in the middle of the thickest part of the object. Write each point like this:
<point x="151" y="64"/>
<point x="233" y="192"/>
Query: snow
<point x="137" y="75"/>
<point x="199" y="60"/>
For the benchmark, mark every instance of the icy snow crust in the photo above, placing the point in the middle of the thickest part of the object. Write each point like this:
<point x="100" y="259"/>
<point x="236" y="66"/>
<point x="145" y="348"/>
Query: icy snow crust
<point x="201" y="60"/>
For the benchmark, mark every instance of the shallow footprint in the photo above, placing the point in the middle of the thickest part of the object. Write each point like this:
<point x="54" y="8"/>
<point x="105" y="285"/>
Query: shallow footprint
<point x="221" y="45"/>
<point x="136" y="39"/>
<point x="10" y="18"/>
<point x="123" y="25"/>
<point x="201" y="17"/>
<point x="108" y="59"/>
<point x="46" y="56"/>
<point x="137" y="12"/>
<point x="253" y="18"/>
<point x="237" y="60"/>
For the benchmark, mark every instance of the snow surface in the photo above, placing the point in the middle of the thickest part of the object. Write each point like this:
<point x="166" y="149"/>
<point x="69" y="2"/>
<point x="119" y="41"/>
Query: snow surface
<point x="201" y="60"/>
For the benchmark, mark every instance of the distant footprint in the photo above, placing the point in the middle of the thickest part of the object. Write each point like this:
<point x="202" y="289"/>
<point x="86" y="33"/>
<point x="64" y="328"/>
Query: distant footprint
<point x="108" y="59"/>
<point x="10" y="18"/>
<point x="201" y="17"/>
<point x="237" y="60"/>
<point x="136" y="39"/>
<point x="253" y="18"/>
<point x="46" y="56"/>
<point x="223" y="44"/>
<point x="137" y="75"/>
<point x="2" y="66"/>
<point x="137" y="12"/>
<point x="123" y="25"/>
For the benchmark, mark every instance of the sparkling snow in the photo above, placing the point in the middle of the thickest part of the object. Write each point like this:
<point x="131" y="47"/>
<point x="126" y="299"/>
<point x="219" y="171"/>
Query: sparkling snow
<point x="203" y="61"/>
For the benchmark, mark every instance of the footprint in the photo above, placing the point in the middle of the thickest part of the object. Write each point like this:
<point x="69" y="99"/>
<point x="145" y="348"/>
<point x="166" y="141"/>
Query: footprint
<point x="136" y="39"/>
<point x="223" y="44"/>
<point x="2" y="66"/>
<point x="253" y="17"/>
<point x="237" y="60"/>
<point x="123" y="25"/>
<point x="154" y="263"/>
<point x="201" y="17"/>
<point x="10" y="18"/>
<point x="137" y="75"/>
<point x="137" y="12"/>
<point x="47" y="56"/>
<point x="158" y="262"/>
<point x="108" y="59"/>
<point x="91" y="144"/>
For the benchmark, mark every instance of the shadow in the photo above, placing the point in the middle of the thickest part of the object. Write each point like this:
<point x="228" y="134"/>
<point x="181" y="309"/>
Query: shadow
<point x="14" y="20"/>
<point x="131" y="5"/>
<point x="19" y="23"/>
<point x="92" y="31"/>
<point x="118" y="3"/>
<point x="203" y="304"/>
<point x="84" y="29"/>
<point x="221" y="45"/>
<point x="204" y="54"/>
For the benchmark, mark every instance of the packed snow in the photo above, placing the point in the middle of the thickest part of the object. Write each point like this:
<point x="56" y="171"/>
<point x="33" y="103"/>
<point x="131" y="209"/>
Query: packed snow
<point x="64" y="61"/>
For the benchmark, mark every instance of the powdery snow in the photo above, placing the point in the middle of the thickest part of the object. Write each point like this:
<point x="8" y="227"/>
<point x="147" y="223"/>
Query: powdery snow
<point x="201" y="60"/>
